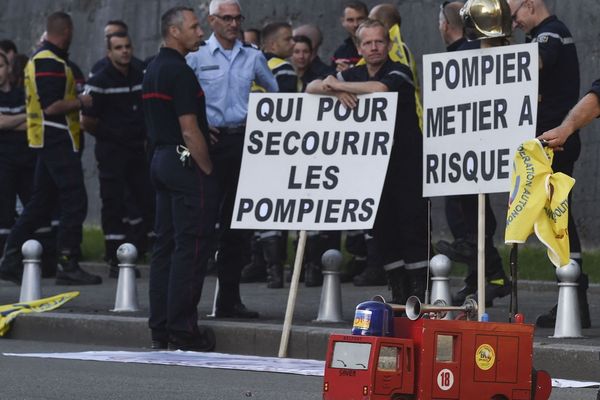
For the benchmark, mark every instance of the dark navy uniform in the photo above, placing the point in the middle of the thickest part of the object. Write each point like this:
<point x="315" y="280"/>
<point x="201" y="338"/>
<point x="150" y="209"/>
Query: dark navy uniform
<point x="558" y="93"/>
<point x="464" y="44"/>
<point x="121" y="155"/>
<point x="317" y="69"/>
<point x="105" y="62"/>
<point x="186" y="199"/>
<point x="17" y="162"/>
<point x="58" y="172"/>
<point x="347" y="51"/>
<point x="284" y="72"/>
<point x="400" y="227"/>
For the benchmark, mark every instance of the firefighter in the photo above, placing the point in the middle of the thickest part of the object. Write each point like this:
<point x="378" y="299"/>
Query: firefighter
<point x="278" y="45"/>
<point x="53" y="128"/>
<point x="116" y="120"/>
<point x="558" y="93"/>
<point x="400" y="229"/>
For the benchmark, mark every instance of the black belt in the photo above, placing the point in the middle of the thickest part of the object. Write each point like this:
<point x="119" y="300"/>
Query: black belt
<point x="232" y="130"/>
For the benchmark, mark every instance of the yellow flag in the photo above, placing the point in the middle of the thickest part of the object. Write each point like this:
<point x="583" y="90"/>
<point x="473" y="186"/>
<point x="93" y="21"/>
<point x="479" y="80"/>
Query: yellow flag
<point x="539" y="202"/>
<point x="9" y="312"/>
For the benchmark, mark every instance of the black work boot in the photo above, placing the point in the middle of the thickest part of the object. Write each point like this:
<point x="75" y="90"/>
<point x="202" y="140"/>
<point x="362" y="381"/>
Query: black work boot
<point x="274" y="258"/>
<point x="256" y="271"/>
<point x="458" y="298"/>
<point x="353" y="268"/>
<point x="11" y="266"/>
<point x="461" y="250"/>
<point x="371" y="276"/>
<point x="70" y="273"/>
<point x="417" y="282"/>
<point x="313" y="275"/>
<point x="374" y="274"/>
<point x="496" y="288"/>
<point x="548" y="320"/>
<point x="398" y="284"/>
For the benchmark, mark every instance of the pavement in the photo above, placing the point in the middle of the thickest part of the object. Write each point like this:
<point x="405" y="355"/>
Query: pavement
<point x="87" y="320"/>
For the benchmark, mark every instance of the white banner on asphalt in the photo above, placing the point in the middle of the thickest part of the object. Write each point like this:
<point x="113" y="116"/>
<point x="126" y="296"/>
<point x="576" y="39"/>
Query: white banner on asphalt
<point x="479" y="106"/>
<point x="224" y="361"/>
<point x="194" y="359"/>
<point x="310" y="163"/>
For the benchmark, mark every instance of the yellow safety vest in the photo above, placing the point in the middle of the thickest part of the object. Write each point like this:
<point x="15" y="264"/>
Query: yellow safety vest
<point x="273" y="63"/>
<point x="400" y="53"/>
<point x="36" y="120"/>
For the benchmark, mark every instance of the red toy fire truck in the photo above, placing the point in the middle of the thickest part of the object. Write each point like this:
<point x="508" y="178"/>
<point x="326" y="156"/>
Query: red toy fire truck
<point x="398" y="358"/>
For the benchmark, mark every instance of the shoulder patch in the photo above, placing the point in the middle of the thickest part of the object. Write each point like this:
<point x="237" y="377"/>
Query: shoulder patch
<point x="542" y="39"/>
<point x="250" y="45"/>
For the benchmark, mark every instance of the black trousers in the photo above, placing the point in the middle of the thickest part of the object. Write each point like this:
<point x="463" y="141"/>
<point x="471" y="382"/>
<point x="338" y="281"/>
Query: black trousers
<point x="186" y="207"/>
<point x="123" y="175"/>
<point x="226" y="155"/>
<point x="401" y="229"/>
<point x="17" y="163"/>
<point x="58" y="174"/>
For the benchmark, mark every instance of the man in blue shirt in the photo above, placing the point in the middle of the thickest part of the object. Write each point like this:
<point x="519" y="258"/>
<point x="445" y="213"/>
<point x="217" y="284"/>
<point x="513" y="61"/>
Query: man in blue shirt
<point x="226" y="68"/>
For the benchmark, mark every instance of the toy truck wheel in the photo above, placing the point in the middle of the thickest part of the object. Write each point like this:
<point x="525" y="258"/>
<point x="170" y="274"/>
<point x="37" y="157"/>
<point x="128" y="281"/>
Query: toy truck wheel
<point x="402" y="397"/>
<point x="499" y="397"/>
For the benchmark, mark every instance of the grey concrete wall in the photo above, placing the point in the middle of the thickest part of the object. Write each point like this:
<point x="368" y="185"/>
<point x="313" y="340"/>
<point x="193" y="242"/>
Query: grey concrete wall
<point x="23" y="20"/>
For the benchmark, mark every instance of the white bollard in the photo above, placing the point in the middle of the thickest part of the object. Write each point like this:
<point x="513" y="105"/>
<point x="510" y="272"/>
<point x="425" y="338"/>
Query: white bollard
<point x="126" y="299"/>
<point x="330" y="306"/>
<point x="440" y="267"/>
<point x="31" y="284"/>
<point x="568" y="322"/>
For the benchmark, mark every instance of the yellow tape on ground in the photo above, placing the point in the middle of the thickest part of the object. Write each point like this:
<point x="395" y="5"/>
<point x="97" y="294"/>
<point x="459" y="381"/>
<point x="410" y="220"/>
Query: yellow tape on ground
<point x="10" y="311"/>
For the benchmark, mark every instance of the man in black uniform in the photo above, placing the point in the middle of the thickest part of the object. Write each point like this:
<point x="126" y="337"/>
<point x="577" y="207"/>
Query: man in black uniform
<point x="558" y="93"/>
<point x="278" y="45"/>
<point x="401" y="235"/>
<point x="186" y="191"/>
<point x="112" y="27"/>
<point x="346" y="56"/>
<point x="16" y="158"/>
<point x="53" y="128"/>
<point x="117" y="122"/>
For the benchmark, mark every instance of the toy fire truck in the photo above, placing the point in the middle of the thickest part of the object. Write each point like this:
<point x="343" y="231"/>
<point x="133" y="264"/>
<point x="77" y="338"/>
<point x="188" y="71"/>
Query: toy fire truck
<point x="424" y="357"/>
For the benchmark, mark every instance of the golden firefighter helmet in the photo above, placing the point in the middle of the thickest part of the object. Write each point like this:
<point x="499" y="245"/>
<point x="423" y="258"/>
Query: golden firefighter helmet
<point x="485" y="19"/>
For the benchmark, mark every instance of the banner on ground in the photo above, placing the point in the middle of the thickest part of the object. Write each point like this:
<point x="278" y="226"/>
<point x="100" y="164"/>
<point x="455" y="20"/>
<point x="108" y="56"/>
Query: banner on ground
<point x="479" y="106"/>
<point x="310" y="163"/>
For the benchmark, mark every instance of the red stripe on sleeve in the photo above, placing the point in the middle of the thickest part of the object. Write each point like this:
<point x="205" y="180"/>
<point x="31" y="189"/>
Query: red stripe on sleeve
<point x="156" y="95"/>
<point x="54" y="74"/>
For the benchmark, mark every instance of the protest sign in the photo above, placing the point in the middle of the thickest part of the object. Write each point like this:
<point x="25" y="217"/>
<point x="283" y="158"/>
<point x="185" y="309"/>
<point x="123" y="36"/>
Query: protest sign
<point x="310" y="163"/>
<point x="479" y="106"/>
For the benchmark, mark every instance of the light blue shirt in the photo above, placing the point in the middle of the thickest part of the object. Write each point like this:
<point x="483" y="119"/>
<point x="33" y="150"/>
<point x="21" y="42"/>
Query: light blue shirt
<point x="226" y="78"/>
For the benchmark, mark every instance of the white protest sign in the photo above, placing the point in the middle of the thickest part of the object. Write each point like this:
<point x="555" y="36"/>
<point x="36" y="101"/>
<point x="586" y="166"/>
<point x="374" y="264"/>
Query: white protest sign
<point x="309" y="163"/>
<point x="479" y="106"/>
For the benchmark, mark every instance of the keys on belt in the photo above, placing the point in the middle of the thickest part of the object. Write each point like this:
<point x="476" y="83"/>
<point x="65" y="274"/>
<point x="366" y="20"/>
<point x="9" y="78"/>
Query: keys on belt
<point x="184" y="156"/>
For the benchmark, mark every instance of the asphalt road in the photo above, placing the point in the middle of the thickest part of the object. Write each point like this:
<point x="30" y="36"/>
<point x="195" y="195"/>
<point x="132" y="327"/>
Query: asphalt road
<point x="37" y="379"/>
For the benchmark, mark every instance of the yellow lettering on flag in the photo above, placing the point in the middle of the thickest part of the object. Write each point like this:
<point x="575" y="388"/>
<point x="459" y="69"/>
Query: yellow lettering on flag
<point x="539" y="202"/>
<point x="9" y="312"/>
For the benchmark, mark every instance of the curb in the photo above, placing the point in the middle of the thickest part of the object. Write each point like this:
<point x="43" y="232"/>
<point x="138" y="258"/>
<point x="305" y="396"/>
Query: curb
<point x="567" y="361"/>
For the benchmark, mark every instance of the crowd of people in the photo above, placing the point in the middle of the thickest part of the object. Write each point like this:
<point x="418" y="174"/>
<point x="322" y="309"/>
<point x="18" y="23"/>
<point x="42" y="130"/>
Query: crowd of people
<point x="169" y="135"/>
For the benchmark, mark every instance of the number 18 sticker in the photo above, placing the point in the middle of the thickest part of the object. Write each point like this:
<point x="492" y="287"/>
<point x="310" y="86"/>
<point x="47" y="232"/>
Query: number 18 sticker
<point x="445" y="379"/>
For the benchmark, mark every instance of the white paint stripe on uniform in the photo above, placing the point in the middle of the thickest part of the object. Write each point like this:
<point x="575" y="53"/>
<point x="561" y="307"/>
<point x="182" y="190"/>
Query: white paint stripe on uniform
<point x="12" y="110"/>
